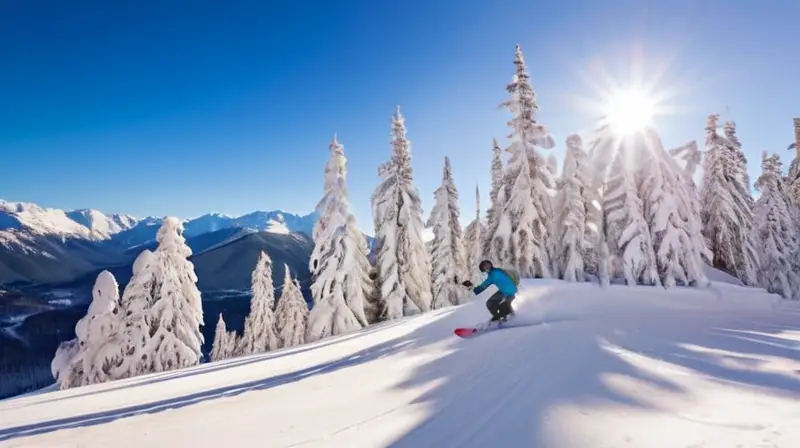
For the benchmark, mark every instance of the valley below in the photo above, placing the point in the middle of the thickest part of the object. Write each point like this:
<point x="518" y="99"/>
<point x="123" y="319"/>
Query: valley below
<point x="50" y="259"/>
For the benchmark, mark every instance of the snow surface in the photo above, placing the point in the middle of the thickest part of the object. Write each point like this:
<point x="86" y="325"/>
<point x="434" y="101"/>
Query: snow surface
<point x="580" y="366"/>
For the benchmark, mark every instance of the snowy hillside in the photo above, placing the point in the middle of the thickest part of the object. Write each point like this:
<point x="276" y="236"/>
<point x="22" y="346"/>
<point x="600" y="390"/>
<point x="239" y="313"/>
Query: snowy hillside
<point x="39" y="220"/>
<point x="579" y="367"/>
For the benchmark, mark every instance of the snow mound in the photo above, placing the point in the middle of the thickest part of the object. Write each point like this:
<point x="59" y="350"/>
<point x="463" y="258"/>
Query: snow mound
<point x="579" y="366"/>
<point x="715" y="275"/>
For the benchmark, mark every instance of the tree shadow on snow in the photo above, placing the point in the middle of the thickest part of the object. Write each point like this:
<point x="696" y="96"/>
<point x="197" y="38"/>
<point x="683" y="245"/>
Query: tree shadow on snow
<point x="205" y="368"/>
<point x="498" y="388"/>
<point x="371" y="353"/>
<point x="476" y="406"/>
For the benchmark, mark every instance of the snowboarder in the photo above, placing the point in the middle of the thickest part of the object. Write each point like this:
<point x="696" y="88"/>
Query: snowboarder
<point x="499" y="304"/>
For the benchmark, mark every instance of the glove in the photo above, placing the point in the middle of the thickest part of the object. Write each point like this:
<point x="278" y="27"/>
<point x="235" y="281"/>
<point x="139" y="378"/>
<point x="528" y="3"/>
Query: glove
<point x="467" y="283"/>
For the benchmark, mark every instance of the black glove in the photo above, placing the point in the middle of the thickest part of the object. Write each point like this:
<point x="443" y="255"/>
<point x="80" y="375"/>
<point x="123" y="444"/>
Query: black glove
<point x="467" y="283"/>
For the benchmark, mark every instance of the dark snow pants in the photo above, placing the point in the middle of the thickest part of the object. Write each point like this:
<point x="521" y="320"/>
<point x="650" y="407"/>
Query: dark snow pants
<point x="499" y="307"/>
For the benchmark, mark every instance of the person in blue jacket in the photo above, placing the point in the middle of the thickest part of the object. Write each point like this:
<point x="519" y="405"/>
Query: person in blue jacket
<point x="499" y="304"/>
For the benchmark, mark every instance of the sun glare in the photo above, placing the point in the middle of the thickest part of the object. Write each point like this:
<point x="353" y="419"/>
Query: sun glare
<point x="629" y="111"/>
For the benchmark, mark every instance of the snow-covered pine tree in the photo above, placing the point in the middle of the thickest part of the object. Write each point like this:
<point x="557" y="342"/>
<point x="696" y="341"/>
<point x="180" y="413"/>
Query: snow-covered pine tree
<point x="741" y="177"/>
<point x="291" y="314"/>
<point x="224" y="341"/>
<point x="497" y="200"/>
<point x="339" y="257"/>
<point x="177" y="306"/>
<point x="259" y="326"/>
<point x="602" y="149"/>
<point x="689" y="210"/>
<point x="358" y="279"/>
<point x="692" y="158"/>
<point x="661" y="187"/>
<point x="173" y="318"/>
<point x="332" y="316"/>
<point x="135" y="305"/>
<point x="717" y="211"/>
<point x="744" y="197"/>
<point x="776" y="236"/>
<point x="570" y="230"/>
<point x="97" y="338"/>
<point x="473" y="235"/>
<point x="626" y="229"/>
<point x="523" y="230"/>
<point x="402" y="259"/>
<point x="726" y="214"/>
<point x="447" y="255"/>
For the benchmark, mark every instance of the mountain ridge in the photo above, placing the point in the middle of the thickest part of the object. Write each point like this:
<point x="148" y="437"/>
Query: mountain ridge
<point x="40" y="245"/>
<point x="94" y="224"/>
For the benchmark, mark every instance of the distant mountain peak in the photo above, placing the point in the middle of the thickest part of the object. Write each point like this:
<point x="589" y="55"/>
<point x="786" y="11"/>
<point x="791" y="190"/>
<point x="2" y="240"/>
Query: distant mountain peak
<point x="210" y="215"/>
<point x="128" y="231"/>
<point x="276" y="221"/>
<point x="100" y="223"/>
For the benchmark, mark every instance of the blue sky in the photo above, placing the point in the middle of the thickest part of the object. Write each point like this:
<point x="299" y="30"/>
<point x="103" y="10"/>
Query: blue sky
<point x="156" y="108"/>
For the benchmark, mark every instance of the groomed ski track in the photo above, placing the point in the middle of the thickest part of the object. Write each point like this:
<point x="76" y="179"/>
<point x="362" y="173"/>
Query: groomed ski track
<point x="579" y="366"/>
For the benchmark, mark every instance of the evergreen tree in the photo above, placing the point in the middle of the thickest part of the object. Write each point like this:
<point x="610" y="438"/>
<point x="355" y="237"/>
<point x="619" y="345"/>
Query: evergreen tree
<point x="692" y="158"/>
<point x="174" y="316"/>
<point x="98" y="344"/>
<point x="627" y="232"/>
<point x="224" y="344"/>
<point x="402" y="259"/>
<point x="473" y="236"/>
<point x="497" y="198"/>
<point x="570" y="230"/>
<point x="522" y="234"/>
<point x="777" y="237"/>
<point x="448" y="262"/>
<point x="602" y="150"/>
<point x="135" y="303"/>
<point x="292" y="313"/>
<point x="748" y="266"/>
<point x="259" y="326"/>
<point x="339" y="258"/>
<point x="661" y="187"/>
<point x="740" y="175"/>
<point x="726" y="214"/>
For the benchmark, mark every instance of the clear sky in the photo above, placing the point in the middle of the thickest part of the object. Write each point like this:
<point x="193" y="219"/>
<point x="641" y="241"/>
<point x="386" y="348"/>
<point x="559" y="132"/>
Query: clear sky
<point x="156" y="107"/>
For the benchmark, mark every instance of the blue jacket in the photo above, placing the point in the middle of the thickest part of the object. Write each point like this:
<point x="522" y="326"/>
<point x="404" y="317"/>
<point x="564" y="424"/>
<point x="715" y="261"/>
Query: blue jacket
<point x="498" y="278"/>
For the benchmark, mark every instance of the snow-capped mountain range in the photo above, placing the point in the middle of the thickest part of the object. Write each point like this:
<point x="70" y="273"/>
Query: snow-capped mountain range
<point x="95" y="225"/>
<point x="50" y="221"/>
<point x="48" y="245"/>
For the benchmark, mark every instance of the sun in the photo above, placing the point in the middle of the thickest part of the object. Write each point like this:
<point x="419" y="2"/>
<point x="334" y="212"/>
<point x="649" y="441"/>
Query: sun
<point x="630" y="110"/>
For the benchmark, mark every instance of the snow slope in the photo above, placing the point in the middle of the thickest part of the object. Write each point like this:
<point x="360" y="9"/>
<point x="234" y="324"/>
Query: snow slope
<point x="580" y="366"/>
